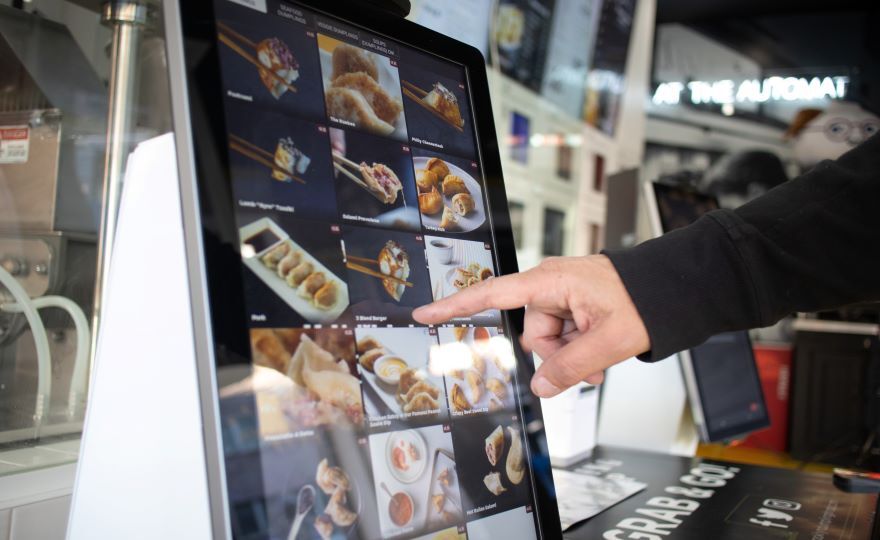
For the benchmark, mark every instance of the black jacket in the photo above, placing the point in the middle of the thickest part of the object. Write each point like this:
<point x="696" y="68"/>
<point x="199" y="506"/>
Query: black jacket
<point x="810" y="244"/>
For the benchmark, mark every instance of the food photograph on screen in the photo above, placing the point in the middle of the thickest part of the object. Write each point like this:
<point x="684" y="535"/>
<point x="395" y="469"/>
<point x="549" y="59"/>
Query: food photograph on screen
<point x="269" y="61"/>
<point x="478" y="364"/>
<point x="399" y="388"/>
<point x="416" y="480"/>
<point x="456" y="265"/>
<point x="303" y="379"/>
<point x="374" y="181"/>
<point x="450" y="192"/>
<point x="280" y="163"/>
<point x="494" y="477"/>
<point x="437" y="104"/>
<point x="327" y="495"/>
<point x="294" y="271"/>
<point x="361" y="88"/>
<point x="387" y="274"/>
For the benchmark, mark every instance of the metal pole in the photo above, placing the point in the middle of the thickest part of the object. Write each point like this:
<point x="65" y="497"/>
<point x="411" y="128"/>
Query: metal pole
<point x="127" y="19"/>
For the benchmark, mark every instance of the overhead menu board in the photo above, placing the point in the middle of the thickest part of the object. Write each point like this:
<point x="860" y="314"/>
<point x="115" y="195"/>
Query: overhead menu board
<point x="605" y="80"/>
<point x="522" y="34"/>
<point x="568" y="54"/>
<point x="465" y="20"/>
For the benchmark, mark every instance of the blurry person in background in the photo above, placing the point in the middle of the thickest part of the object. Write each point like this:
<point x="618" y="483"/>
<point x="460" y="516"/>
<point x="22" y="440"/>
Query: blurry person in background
<point x="818" y="135"/>
<point x="739" y="178"/>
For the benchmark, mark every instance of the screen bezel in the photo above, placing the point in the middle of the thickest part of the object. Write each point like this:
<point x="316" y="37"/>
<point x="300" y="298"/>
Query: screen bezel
<point x="219" y="315"/>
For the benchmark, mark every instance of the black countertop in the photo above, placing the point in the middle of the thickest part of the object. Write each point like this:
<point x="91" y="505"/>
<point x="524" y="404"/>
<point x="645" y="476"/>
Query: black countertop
<point x="693" y="498"/>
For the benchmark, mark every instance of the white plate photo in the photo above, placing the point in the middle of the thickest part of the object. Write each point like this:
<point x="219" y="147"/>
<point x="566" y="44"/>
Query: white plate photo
<point x="465" y="223"/>
<point x="280" y="287"/>
<point x="415" y="467"/>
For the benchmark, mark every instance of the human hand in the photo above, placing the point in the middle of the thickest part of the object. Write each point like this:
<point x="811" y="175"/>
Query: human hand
<point x="579" y="318"/>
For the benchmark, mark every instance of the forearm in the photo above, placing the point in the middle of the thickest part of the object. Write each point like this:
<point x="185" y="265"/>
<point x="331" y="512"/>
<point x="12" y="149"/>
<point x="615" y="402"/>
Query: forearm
<point x="811" y="244"/>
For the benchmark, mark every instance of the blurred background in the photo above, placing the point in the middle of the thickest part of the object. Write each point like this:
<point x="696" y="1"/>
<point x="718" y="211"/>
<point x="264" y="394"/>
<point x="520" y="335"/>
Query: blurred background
<point x="618" y="120"/>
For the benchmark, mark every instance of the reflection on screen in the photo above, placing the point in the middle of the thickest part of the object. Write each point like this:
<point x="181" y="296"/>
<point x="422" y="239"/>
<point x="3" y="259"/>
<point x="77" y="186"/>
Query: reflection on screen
<point x="359" y="196"/>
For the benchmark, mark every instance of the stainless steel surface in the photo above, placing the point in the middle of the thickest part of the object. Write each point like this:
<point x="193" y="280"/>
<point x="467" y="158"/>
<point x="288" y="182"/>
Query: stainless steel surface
<point x="127" y="20"/>
<point x="32" y="183"/>
<point x="835" y="327"/>
<point x="41" y="63"/>
<point x="198" y="286"/>
<point x="20" y="256"/>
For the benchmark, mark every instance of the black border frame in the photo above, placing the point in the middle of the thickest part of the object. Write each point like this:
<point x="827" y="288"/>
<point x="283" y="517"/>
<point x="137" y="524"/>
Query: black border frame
<point x="222" y="271"/>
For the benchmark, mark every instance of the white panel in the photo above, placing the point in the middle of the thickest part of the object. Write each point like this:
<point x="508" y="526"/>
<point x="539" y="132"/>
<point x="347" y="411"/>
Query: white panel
<point x="142" y="469"/>
<point x="45" y="520"/>
<point x="5" y="519"/>
<point x="643" y="407"/>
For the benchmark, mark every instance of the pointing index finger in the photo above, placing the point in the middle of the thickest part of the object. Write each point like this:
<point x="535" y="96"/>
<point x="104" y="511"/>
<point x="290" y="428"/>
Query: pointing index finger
<point x="505" y="292"/>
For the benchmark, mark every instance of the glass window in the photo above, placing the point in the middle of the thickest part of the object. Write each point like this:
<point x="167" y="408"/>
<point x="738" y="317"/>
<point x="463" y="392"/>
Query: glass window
<point x="55" y="65"/>
<point x="517" y="219"/>
<point x="554" y="232"/>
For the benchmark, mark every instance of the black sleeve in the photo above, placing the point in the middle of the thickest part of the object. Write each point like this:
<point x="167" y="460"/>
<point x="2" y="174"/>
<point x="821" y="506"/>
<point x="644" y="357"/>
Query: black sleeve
<point x="810" y="244"/>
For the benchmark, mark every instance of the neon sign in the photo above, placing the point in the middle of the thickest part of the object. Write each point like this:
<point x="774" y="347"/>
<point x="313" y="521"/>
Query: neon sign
<point x="726" y="91"/>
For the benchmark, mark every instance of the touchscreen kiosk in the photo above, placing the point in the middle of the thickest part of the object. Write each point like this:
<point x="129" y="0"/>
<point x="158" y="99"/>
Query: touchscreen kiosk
<point x="721" y="376"/>
<point x="339" y="168"/>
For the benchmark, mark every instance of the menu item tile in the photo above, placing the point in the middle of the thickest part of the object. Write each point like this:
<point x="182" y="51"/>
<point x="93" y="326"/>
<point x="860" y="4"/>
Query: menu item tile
<point x="399" y="389"/>
<point x="369" y="165"/>
<point x="493" y="480"/>
<point x="478" y="364"/>
<point x="456" y="265"/>
<point x="313" y="487"/>
<point x="416" y="479"/>
<point x="302" y="379"/>
<point x="516" y="524"/>
<point x="387" y="274"/>
<point x="361" y="88"/>
<point x="437" y="107"/>
<point x="286" y="269"/>
<point x="279" y="164"/>
<point x="269" y="61"/>
<point x="450" y="192"/>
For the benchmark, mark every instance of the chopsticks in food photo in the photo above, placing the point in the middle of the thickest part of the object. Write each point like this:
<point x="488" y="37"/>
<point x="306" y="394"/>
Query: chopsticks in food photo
<point x="439" y="101"/>
<point x="277" y="66"/>
<point x="282" y="163"/>
<point x="377" y="179"/>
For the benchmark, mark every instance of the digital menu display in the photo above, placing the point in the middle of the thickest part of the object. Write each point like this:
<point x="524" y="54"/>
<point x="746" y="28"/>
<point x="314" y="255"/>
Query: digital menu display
<point x="360" y="195"/>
